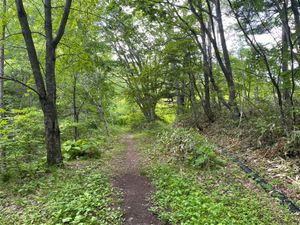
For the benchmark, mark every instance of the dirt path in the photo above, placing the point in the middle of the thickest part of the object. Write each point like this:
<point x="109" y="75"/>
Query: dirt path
<point x="136" y="189"/>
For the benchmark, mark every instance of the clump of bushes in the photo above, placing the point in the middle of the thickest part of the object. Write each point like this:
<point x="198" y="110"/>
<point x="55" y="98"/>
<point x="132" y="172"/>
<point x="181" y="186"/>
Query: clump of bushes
<point x="292" y="148"/>
<point x="268" y="132"/>
<point x="187" y="120"/>
<point x="81" y="148"/>
<point x="189" y="147"/>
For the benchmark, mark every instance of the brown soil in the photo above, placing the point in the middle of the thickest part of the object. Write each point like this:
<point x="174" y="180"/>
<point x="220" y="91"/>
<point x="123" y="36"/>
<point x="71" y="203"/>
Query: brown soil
<point x="136" y="189"/>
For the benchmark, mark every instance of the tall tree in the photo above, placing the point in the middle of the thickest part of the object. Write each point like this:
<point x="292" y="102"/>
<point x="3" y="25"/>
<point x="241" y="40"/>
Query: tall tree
<point x="2" y="58"/>
<point x="221" y="53"/>
<point x="46" y="87"/>
<point x="281" y="77"/>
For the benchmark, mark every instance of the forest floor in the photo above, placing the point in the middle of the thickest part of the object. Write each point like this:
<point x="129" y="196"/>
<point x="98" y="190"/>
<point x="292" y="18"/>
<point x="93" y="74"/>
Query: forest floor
<point x="135" y="187"/>
<point x="135" y="183"/>
<point x="283" y="174"/>
<point x="193" y="196"/>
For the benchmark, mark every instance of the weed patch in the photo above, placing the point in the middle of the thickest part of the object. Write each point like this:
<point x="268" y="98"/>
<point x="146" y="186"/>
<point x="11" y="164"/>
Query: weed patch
<point x="66" y="196"/>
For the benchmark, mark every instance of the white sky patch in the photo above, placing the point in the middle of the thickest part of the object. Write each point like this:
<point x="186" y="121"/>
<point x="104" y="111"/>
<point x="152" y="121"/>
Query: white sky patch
<point x="127" y="9"/>
<point x="235" y="39"/>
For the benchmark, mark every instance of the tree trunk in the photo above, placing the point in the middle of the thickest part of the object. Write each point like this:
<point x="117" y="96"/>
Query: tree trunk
<point x="148" y="107"/>
<point x="207" y="70"/>
<point x="102" y="115"/>
<point x="295" y="9"/>
<point x="193" y="98"/>
<point x="150" y="114"/>
<point x="224" y="62"/>
<point x="179" y="100"/>
<point x="54" y="155"/>
<point x="228" y="72"/>
<point x="286" y="81"/>
<point x="75" y="110"/>
<point x="52" y="134"/>
<point x="47" y="93"/>
<point x="2" y="58"/>
<point x="215" y="86"/>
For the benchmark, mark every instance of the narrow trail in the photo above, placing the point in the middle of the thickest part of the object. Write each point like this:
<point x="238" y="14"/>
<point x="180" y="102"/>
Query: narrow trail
<point x="136" y="189"/>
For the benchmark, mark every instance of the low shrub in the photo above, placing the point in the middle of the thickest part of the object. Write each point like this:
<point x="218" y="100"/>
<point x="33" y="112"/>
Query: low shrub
<point x="292" y="148"/>
<point x="266" y="130"/>
<point x="189" y="147"/>
<point x="81" y="148"/>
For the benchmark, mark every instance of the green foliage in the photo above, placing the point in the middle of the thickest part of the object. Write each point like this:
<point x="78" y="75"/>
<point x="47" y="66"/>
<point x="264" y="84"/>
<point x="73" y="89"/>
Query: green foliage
<point x="87" y="204"/>
<point x="187" y="120"/>
<point x="181" y="199"/>
<point x="136" y="120"/>
<point x="81" y="148"/>
<point x="266" y="129"/>
<point x="292" y="148"/>
<point x="165" y="111"/>
<point x="17" y="128"/>
<point x="187" y="195"/>
<point x="189" y="147"/>
<point x="66" y="196"/>
<point x="21" y="139"/>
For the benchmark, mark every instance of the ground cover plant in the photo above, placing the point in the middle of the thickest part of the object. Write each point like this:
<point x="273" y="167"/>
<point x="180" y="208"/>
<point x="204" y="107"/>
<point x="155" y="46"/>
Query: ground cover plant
<point x="186" y="194"/>
<point x="80" y="192"/>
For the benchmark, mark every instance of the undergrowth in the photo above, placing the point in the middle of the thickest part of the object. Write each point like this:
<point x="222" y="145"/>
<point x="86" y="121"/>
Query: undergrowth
<point x="182" y="197"/>
<point x="79" y="193"/>
<point x="190" y="195"/>
<point x="81" y="148"/>
<point x="188" y="147"/>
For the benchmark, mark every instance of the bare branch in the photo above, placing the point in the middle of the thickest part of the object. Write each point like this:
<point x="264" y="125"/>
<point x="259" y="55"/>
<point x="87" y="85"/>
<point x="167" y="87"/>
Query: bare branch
<point x="20" y="33"/>
<point x="20" y="82"/>
<point x="31" y="50"/>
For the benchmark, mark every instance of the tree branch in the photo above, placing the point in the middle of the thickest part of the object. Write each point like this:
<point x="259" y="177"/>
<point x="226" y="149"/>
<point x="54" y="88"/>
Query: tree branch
<point x="20" y="82"/>
<point x="63" y="23"/>
<point x="31" y="50"/>
<point x="20" y="33"/>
